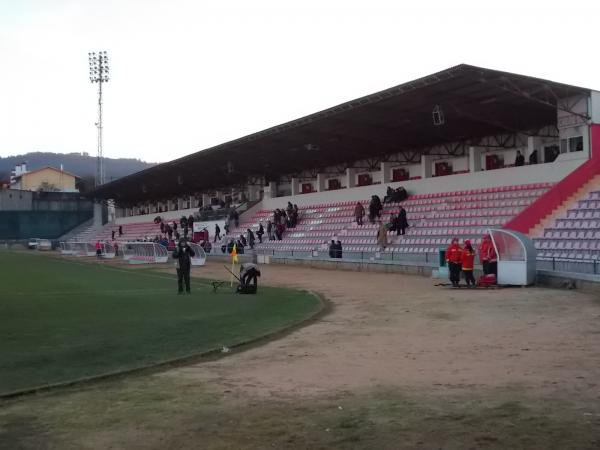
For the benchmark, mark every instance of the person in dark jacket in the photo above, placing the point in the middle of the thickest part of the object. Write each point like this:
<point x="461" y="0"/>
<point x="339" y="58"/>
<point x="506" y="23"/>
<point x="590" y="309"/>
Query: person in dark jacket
<point x="183" y="255"/>
<point x="338" y="249"/>
<point x="249" y="273"/>
<point x="402" y="222"/>
<point x="120" y="230"/>
<point x="332" y="249"/>
<point x="250" y="238"/>
<point x="533" y="158"/>
<point x="217" y="232"/>
<point x="520" y="159"/>
<point x="260" y="232"/>
<point x="375" y="208"/>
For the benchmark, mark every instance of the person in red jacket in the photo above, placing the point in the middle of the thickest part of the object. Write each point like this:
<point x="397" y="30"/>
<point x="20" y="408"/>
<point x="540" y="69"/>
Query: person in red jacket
<point x="468" y="261"/>
<point x="488" y="256"/>
<point x="454" y="260"/>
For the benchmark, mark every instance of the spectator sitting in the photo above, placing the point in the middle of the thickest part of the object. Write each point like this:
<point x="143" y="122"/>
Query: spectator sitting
<point x="243" y="240"/>
<point x="395" y="195"/>
<point x="388" y="195"/>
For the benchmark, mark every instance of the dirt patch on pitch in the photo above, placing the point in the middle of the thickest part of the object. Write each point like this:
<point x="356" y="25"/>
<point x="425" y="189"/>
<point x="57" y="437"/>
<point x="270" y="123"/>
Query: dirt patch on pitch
<point x="402" y="331"/>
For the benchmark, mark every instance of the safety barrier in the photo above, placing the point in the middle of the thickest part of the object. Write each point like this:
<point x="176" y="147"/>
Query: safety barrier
<point x="82" y="249"/>
<point x="66" y="248"/>
<point x="144" y="253"/>
<point x="199" y="258"/>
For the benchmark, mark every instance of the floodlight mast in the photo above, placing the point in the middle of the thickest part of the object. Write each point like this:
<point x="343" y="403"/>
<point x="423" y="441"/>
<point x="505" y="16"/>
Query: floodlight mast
<point x="99" y="74"/>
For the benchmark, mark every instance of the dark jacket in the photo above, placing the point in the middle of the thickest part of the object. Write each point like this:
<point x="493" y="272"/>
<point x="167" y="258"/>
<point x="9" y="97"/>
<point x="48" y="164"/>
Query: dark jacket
<point x="402" y="222"/>
<point x="183" y="255"/>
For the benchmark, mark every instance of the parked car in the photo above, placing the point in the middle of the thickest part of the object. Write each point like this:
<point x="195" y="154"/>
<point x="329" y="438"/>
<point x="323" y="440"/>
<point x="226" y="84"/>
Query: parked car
<point x="44" y="245"/>
<point x="33" y="243"/>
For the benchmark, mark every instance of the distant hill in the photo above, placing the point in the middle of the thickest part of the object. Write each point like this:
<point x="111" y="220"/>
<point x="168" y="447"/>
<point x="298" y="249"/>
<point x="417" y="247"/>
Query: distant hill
<point x="81" y="164"/>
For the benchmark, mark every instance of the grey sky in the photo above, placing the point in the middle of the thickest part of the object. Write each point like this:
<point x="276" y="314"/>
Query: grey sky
<point x="186" y="75"/>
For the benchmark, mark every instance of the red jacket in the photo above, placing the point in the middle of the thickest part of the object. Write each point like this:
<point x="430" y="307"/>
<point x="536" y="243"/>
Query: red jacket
<point x="454" y="254"/>
<point x="468" y="259"/>
<point x="487" y="252"/>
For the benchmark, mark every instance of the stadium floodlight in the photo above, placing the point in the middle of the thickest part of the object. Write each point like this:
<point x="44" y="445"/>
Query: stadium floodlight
<point x="99" y="72"/>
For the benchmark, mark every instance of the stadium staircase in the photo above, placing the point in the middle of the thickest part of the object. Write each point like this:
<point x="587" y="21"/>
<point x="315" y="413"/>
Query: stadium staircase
<point x="131" y="232"/>
<point x="434" y="220"/>
<point x="574" y="232"/>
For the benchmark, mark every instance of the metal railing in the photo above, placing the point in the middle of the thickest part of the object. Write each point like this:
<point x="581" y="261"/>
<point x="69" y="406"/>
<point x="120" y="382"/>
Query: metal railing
<point x="583" y="266"/>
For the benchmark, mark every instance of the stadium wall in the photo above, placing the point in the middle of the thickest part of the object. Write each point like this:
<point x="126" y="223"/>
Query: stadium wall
<point x="540" y="173"/>
<point x="39" y="224"/>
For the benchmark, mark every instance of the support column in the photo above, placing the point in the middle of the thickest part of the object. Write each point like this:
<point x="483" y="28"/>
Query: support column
<point x="271" y="190"/>
<point x="97" y="215"/>
<point x="253" y="192"/>
<point x="205" y="199"/>
<point x="321" y="182"/>
<point x="350" y="177"/>
<point x="475" y="159"/>
<point x="426" y="161"/>
<point x="295" y="186"/>
<point x="386" y="172"/>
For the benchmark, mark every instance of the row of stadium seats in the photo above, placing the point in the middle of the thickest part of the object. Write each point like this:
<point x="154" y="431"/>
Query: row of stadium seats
<point x="433" y="218"/>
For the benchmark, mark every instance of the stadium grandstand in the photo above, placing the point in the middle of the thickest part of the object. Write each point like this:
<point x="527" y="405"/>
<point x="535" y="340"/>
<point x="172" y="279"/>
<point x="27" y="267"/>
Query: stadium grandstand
<point x="474" y="149"/>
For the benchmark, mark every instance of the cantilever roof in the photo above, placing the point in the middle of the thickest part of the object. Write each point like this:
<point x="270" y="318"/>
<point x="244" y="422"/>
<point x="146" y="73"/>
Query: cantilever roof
<point x="476" y="102"/>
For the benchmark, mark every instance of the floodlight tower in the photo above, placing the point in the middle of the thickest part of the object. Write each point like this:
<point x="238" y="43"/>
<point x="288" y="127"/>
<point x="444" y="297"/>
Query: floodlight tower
<point x="99" y="74"/>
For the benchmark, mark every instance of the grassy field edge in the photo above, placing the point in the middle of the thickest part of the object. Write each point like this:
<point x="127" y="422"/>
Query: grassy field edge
<point x="212" y="354"/>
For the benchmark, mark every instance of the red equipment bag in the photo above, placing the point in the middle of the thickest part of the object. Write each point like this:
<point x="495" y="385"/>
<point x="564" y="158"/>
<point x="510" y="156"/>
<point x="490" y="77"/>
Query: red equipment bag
<point x="487" y="280"/>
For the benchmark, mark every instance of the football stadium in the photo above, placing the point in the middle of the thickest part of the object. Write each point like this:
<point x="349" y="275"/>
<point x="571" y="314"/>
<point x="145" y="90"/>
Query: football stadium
<point x="416" y="268"/>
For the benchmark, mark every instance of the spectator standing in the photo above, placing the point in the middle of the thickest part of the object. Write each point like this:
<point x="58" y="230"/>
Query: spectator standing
<point x="270" y="231"/>
<point x="339" y="249"/>
<point x="120" y="230"/>
<point x="359" y="213"/>
<point x="402" y="222"/>
<point x="260" y="232"/>
<point x="332" y="249"/>
<point x="519" y="160"/>
<point x="454" y="260"/>
<point x="533" y="158"/>
<point x="113" y="235"/>
<point x="250" y="238"/>
<point x="375" y="208"/>
<point x="382" y="235"/>
<point x="217" y="232"/>
<point x="236" y="218"/>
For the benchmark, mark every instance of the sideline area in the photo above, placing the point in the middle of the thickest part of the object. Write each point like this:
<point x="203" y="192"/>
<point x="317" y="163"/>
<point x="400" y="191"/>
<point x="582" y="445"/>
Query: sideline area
<point x="396" y="356"/>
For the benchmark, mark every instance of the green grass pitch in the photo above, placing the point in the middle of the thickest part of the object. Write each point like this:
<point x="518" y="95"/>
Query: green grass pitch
<point x="61" y="320"/>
